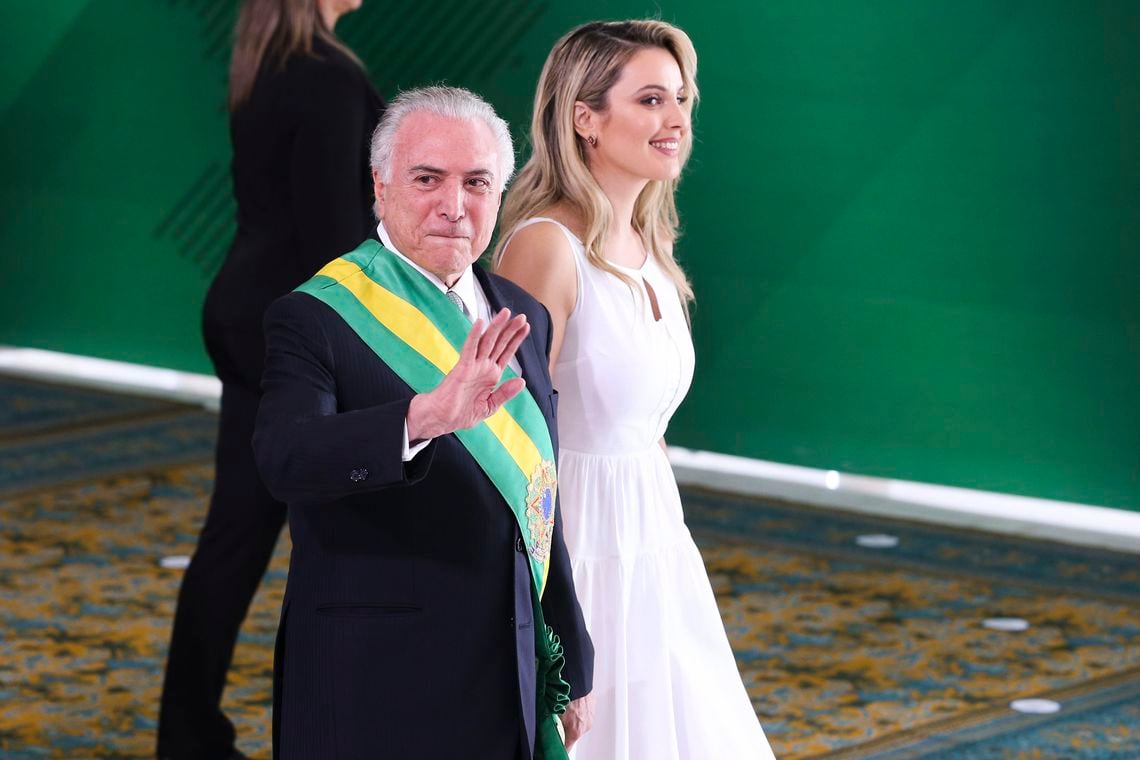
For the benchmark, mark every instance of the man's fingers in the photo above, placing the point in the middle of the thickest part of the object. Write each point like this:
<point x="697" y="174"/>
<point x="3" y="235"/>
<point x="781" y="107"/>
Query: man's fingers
<point x="471" y="342"/>
<point x="491" y="334"/>
<point x="501" y="352"/>
<point x="505" y="393"/>
<point x="513" y="344"/>
<point x="578" y="719"/>
<point x="573" y="731"/>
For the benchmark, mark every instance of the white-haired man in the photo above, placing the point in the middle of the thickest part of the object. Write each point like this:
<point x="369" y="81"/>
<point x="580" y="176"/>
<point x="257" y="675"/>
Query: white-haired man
<point x="416" y="453"/>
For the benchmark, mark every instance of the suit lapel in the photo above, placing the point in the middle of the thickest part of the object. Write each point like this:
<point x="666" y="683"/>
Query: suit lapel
<point x="532" y="360"/>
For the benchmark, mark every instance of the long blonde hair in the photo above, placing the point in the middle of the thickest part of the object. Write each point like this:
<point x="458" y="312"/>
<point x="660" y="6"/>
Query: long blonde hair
<point x="583" y="66"/>
<point x="276" y="28"/>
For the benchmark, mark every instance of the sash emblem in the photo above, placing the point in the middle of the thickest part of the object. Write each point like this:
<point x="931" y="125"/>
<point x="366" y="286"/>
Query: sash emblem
<point x="540" y="495"/>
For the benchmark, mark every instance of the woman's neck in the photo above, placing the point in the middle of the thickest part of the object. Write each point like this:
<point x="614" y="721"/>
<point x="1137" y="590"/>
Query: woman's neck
<point x="622" y="191"/>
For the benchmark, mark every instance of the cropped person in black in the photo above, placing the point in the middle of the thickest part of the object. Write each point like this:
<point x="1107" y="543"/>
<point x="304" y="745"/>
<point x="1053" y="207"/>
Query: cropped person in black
<point x="302" y="112"/>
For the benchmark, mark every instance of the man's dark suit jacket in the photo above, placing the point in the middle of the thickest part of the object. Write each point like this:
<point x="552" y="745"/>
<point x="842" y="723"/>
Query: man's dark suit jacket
<point x="406" y="630"/>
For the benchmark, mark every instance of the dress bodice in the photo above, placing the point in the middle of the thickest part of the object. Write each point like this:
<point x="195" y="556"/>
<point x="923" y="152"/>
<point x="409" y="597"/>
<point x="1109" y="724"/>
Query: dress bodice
<point x="621" y="373"/>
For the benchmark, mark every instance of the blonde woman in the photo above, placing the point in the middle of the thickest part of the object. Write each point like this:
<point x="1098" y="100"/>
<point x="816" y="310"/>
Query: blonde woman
<point x="589" y="227"/>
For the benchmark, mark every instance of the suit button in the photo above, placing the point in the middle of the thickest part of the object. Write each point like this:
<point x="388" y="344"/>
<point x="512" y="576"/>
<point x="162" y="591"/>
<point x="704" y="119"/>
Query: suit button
<point x="520" y="547"/>
<point x="512" y="621"/>
<point x="358" y="474"/>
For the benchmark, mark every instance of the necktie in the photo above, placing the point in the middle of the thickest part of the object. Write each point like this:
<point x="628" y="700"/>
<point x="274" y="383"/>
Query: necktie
<point x="458" y="301"/>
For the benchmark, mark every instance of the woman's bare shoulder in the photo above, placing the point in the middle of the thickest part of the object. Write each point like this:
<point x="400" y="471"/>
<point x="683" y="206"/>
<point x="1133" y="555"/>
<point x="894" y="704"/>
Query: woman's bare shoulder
<point x="540" y="243"/>
<point x="539" y="258"/>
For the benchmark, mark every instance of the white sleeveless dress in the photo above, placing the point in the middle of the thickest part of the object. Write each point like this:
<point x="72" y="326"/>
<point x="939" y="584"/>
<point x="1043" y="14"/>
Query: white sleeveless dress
<point x="665" y="679"/>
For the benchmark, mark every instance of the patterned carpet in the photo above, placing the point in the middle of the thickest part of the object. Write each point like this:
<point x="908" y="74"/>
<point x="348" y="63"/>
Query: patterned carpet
<point x="848" y="652"/>
<point x="862" y="653"/>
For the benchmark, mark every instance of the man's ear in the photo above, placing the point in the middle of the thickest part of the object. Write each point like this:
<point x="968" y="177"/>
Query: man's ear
<point x="585" y="120"/>
<point x="378" y="190"/>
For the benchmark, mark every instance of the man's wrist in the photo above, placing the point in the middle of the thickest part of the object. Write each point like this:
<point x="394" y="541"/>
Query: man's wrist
<point x="423" y="420"/>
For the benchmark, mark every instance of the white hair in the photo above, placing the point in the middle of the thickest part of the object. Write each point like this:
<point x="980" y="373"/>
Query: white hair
<point x="449" y="102"/>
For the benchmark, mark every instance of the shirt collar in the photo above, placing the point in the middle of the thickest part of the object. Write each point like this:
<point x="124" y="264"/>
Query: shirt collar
<point x="464" y="286"/>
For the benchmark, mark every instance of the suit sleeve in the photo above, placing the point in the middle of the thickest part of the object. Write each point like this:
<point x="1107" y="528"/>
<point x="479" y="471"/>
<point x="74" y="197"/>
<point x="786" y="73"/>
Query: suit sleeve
<point x="562" y="612"/>
<point x="307" y="450"/>
<point x="329" y="202"/>
<point x="560" y="605"/>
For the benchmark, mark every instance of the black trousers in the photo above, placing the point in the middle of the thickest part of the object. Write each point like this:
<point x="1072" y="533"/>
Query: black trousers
<point x="234" y="549"/>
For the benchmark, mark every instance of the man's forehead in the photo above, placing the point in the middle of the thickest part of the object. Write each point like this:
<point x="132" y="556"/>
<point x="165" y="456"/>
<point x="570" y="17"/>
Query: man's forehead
<point x="455" y="145"/>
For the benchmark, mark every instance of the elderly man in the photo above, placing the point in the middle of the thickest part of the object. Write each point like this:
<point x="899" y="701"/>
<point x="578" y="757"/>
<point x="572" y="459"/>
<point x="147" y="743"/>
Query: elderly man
<point x="416" y="453"/>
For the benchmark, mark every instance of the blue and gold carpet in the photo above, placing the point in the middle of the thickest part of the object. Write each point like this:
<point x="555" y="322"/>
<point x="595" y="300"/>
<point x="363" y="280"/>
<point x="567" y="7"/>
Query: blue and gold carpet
<point x="847" y="652"/>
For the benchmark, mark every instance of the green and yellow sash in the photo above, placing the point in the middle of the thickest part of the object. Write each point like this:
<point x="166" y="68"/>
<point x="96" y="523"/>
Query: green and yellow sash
<point x="409" y="323"/>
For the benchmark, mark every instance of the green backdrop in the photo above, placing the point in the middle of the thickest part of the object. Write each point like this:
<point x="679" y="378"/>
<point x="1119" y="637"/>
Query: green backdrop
<point x="913" y="228"/>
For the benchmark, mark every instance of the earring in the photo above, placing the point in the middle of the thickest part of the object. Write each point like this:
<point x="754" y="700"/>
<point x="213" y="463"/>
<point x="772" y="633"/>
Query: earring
<point x="593" y="140"/>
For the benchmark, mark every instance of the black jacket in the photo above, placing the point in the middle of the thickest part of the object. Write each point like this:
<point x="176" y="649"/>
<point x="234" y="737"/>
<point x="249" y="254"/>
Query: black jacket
<point x="407" y="626"/>
<point x="303" y="190"/>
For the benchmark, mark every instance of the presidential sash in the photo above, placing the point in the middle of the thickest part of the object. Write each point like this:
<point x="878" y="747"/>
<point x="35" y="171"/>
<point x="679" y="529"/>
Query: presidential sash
<point x="414" y="329"/>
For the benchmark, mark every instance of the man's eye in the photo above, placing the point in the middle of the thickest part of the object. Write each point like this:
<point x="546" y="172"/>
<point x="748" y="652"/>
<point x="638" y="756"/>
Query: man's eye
<point x="478" y="182"/>
<point x="426" y="179"/>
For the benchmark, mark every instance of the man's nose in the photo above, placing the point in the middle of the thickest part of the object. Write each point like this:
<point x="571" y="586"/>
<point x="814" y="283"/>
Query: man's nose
<point x="451" y="201"/>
